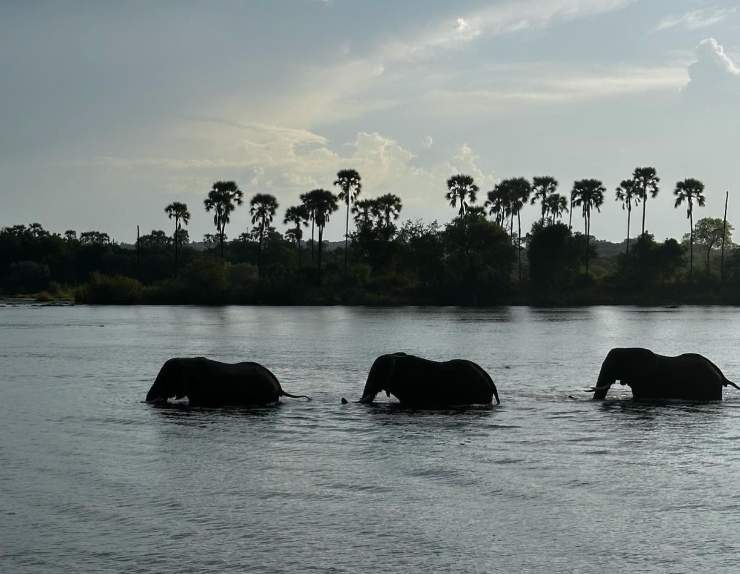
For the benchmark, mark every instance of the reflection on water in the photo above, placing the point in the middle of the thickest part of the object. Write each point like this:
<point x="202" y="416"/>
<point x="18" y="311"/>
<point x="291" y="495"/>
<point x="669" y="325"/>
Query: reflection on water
<point x="92" y="479"/>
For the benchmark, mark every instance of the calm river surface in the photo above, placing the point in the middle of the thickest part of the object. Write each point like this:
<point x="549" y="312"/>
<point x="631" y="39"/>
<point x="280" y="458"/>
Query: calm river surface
<point x="93" y="480"/>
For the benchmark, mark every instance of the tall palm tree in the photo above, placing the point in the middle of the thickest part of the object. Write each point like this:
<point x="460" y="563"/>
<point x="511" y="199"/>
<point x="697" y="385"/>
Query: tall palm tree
<point x="324" y="204"/>
<point x="627" y="193"/>
<point x="519" y="189"/>
<point x="588" y="193"/>
<point x="461" y="188"/>
<point x="388" y="208"/>
<point x="223" y="199"/>
<point x="646" y="184"/>
<point x="570" y="211"/>
<point x="262" y="208"/>
<point x="556" y="206"/>
<point x="516" y="191"/>
<point x="498" y="203"/>
<point x="350" y="186"/>
<point x="690" y="190"/>
<point x="179" y="212"/>
<point x="297" y="215"/>
<point x="308" y="202"/>
<point x="542" y="188"/>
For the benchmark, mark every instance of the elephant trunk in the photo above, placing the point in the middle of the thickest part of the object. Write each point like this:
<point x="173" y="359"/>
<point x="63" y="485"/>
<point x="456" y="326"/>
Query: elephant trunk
<point x="605" y="381"/>
<point x="495" y="394"/>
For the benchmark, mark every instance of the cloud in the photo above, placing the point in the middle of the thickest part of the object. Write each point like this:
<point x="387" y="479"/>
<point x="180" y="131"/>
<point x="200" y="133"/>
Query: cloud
<point x="713" y="77"/>
<point x="542" y="85"/>
<point x="286" y="162"/>
<point x="695" y="19"/>
<point x="502" y="18"/>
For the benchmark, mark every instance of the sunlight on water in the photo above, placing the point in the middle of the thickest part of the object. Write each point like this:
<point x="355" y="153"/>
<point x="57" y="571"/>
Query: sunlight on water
<point x="92" y="479"/>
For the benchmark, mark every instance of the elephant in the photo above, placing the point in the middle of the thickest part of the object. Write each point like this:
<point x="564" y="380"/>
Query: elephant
<point x="211" y="383"/>
<point x="651" y="376"/>
<point x="418" y="382"/>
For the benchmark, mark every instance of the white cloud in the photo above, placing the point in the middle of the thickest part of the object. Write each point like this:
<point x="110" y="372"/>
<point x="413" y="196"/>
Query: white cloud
<point x="695" y="19"/>
<point x="503" y="18"/>
<point x="713" y="76"/>
<point x="543" y="85"/>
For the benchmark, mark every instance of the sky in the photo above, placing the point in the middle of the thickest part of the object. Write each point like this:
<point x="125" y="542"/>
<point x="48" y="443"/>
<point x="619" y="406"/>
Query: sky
<point x="111" y="110"/>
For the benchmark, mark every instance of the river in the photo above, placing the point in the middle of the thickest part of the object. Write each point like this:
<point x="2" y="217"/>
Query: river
<point x="94" y="480"/>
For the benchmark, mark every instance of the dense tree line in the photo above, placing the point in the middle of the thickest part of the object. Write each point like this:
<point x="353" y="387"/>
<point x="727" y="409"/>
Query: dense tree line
<point x="482" y="257"/>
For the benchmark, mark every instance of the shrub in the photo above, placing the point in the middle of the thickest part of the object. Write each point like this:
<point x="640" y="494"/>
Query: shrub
<point x="110" y="290"/>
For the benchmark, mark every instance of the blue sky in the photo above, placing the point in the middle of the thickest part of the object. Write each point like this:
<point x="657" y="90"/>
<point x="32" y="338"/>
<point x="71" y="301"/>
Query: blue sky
<point x="109" y="111"/>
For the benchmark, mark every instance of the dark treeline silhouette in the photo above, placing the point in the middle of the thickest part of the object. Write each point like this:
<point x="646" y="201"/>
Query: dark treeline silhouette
<point x="479" y="258"/>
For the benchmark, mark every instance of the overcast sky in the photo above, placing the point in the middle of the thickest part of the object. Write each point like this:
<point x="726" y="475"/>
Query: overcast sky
<point x="111" y="110"/>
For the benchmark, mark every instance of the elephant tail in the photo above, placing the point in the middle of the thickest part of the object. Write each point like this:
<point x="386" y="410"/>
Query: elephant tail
<point x="726" y="381"/>
<point x="729" y="382"/>
<point x="284" y="394"/>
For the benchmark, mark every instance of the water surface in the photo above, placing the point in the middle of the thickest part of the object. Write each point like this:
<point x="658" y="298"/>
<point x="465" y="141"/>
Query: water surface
<point x="93" y="480"/>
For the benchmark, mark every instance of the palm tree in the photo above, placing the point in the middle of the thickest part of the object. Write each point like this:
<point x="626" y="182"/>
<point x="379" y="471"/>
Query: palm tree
<point x="350" y="184"/>
<point x="646" y="183"/>
<point x="628" y="195"/>
<point x="690" y="190"/>
<point x="388" y="208"/>
<point x="223" y="199"/>
<point x="324" y="204"/>
<point x="297" y="215"/>
<point x="498" y="203"/>
<point x="179" y="212"/>
<point x="519" y="189"/>
<point x="308" y="202"/>
<point x="262" y="208"/>
<point x="556" y="206"/>
<point x="363" y="212"/>
<point x="588" y="193"/>
<point x="461" y="188"/>
<point x="542" y="188"/>
<point x="570" y="211"/>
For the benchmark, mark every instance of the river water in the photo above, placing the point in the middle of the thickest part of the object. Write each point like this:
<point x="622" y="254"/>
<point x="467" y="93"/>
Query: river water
<point x="94" y="480"/>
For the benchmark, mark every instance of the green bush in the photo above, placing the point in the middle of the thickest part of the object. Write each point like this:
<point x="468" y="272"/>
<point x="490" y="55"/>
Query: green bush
<point x="110" y="290"/>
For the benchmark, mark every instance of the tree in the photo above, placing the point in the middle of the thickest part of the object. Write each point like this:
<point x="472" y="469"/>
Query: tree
<point x="223" y="199"/>
<point x="518" y="190"/>
<point x="94" y="238"/>
<point x="297" y="215"/>
<point x="628" y="195"/>
<point x="387" y="210"/>
<point x="179" y="212"/>
<point x="461" y="189"/>
<point x="556" y="206"/>
<point x="645" y="183"/>
<point x="324" y="204"/>
<point x="350" y="185"/>
<point x="479" y="259"/>
<point x="689" y="191"/>
<point x="588" y="193"/>
<point x="363" y="212"/>
<point x="709" y="232"/>
<point x="262" y="208"/>
<point x="308" y="202"/>
<point x="553" y="260"/>
<point x="499" y="203"/>
<point x="70" y="235"/>
<point x="542" y="188"/>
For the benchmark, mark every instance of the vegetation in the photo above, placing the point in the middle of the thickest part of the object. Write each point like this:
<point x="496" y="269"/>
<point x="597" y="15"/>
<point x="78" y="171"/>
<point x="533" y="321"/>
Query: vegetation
<point x="469" y="261"/>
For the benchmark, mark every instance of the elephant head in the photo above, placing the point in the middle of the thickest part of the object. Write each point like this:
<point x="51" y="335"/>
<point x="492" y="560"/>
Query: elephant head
<point x="380" y="377"/>
<point x="623" y="365"/>
<point x="169" y="382"/>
